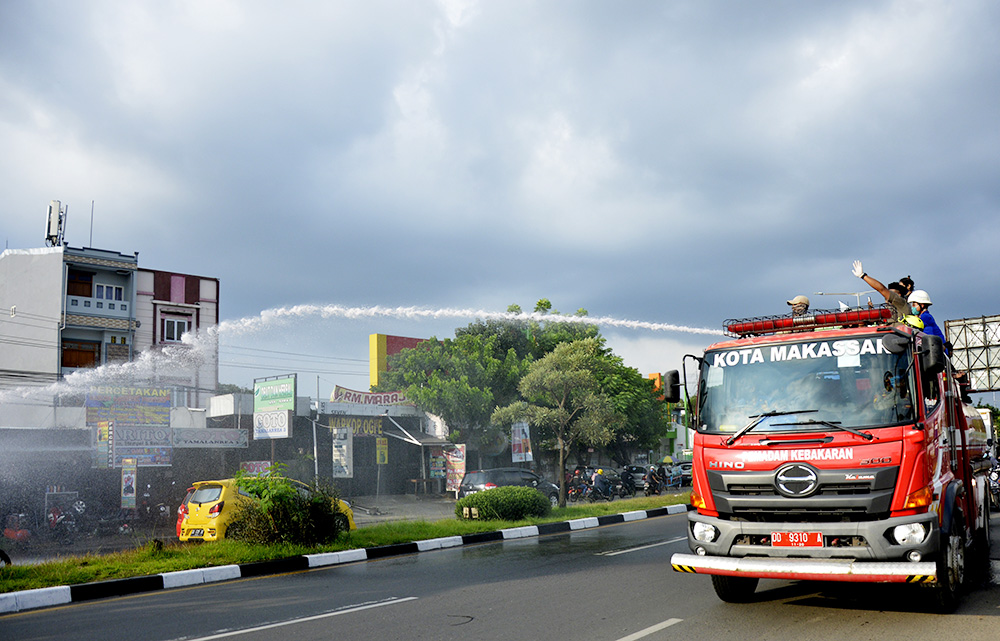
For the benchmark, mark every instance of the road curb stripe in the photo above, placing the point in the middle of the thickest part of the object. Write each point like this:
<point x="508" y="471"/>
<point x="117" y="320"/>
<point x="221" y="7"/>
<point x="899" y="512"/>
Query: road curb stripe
<point x="63" y="595"/>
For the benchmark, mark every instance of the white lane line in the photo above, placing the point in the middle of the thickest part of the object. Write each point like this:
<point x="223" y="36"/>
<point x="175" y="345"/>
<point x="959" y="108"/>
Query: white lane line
<point x="269" y="626"/>
<point x="650" y="630"/>
<point x="643" y="547"/>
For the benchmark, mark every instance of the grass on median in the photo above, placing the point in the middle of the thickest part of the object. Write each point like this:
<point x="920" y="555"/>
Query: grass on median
<point x="155" y="557"/>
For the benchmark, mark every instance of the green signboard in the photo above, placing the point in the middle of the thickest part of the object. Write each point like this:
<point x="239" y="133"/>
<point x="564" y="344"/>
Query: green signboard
<point x="276" y="394"/>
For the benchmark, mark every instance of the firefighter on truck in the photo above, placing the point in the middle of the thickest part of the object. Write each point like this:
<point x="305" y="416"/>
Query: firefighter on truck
<point x="840" y="451"/>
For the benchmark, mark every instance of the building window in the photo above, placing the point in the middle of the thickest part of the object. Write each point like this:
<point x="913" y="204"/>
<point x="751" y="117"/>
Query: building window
<point x="174" y="328"/>
<point x="109" y="292"/>
<point x="73" y="302"/>
<point x="124" y="307"/>
<point x="86" y="303"/>
<point x="79" y="283"/>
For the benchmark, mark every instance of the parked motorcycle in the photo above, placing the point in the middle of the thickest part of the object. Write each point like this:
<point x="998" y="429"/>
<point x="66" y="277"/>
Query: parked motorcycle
<point x="62" y="524"/>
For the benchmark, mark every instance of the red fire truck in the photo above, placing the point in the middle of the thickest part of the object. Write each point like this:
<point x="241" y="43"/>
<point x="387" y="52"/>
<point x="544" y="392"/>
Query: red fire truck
<point x="835" y="447"/>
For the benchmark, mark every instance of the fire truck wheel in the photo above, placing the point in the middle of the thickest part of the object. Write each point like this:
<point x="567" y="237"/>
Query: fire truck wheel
<point x="734" y="589"/>
<point x="950" y="568"/>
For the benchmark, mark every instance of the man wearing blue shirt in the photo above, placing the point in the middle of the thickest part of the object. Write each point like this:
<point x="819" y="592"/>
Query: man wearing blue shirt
<point x="921" y="302"/>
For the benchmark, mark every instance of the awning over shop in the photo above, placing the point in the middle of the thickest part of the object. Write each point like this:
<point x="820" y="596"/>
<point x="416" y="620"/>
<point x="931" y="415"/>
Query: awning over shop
<point x="415" y="437"/>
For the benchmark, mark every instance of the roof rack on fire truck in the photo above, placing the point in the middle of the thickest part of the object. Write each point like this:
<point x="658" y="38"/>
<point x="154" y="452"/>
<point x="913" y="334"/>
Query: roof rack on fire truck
<point x="819" y="319"/>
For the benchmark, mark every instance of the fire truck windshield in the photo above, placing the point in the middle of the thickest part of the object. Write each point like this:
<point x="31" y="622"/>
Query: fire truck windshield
<point x="846" y="382"/>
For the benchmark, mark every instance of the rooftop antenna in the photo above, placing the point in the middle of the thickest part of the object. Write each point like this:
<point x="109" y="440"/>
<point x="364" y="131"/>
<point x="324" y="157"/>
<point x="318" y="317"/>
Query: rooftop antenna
<point x="91" y="224"/>
<point x="55" y="224"/>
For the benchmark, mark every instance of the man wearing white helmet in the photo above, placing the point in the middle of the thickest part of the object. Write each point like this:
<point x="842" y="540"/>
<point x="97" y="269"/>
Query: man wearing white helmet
<point x="920" y="303"/>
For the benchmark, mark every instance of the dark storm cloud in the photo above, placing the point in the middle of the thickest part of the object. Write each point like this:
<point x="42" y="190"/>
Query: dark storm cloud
<point x="679" y="162"/>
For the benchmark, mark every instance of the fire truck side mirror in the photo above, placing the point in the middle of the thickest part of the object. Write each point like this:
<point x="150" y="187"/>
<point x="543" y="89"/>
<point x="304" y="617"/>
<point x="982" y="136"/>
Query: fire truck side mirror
<point x="896" y="343"/>
<point x="672" y="386"/>
<point x="931" y="349"/>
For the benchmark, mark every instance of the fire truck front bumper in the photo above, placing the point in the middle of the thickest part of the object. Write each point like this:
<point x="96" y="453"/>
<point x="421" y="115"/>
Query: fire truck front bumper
<point x="801" y="569"/>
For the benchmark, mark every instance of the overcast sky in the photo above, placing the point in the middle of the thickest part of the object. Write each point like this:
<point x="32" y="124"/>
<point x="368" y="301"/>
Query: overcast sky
<point x="676" y="163"/>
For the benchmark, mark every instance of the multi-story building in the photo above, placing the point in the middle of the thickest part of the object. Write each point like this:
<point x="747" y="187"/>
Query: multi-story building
<point x="67" y="309"/>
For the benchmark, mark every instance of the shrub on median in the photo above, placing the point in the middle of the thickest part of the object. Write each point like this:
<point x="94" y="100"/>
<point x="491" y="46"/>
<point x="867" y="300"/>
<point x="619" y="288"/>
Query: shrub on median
<point x="508" y="503"/>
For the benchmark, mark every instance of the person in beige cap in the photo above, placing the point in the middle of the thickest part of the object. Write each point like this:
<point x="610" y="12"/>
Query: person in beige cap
<point x="800" y="305"/>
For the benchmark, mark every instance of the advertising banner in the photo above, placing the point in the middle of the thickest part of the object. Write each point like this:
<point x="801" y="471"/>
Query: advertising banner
<point x="117" y="412"/>
<point x="274" y="394"/>
<point x="439" y="465"/>
<point x="520" y="443"/>
<point x="256" y="468"/>
<point x="381" y="451"/>
<point x="129" y="405"/>
<point x="274" y="424"/>
<point x="343" y="453"/>
<point x="360" y="426"/>
<point x="344" y="395"/>
<point x="210" y="437"/>
<point x="455" y="457"/>
<point x="149" y="446"/>
<point x="129" y="482"/>
<point x="273" y="407"/>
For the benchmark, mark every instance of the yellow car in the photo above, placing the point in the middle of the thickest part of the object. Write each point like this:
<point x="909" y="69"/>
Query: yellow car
<point x="212" y="505"/>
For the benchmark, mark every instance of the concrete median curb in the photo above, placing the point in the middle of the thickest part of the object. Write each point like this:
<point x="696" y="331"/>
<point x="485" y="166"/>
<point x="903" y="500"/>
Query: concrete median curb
<point x="62" y="595"/>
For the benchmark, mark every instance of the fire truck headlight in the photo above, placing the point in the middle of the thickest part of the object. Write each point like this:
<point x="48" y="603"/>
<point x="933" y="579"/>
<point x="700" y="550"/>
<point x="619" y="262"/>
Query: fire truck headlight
<point x="911" y="534"/>
<point x="704" y="532"/>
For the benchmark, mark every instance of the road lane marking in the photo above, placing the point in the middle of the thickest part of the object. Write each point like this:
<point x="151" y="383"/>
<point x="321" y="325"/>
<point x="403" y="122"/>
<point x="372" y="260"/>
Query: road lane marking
<point x="643" y="547"/>
<point x="270" y="626"/>
<point x="650" y="630"/>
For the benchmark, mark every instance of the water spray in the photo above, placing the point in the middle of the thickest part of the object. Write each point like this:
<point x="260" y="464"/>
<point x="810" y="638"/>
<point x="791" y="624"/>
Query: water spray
<point x="271" y="316"/>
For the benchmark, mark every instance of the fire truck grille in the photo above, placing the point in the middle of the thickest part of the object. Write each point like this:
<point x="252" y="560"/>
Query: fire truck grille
<point x="826" y="496"/>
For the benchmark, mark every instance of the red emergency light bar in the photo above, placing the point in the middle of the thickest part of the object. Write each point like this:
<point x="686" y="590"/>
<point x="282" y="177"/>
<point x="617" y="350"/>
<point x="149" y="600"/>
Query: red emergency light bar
<point x="816" y="320"/>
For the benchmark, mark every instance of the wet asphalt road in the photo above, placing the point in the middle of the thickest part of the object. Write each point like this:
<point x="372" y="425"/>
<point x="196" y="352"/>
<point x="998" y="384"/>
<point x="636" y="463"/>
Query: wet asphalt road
<point x="608" y="583"/>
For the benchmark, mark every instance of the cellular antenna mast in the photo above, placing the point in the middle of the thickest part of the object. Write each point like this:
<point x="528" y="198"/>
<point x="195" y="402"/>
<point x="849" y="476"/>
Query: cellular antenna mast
<point x="55" y="224"/>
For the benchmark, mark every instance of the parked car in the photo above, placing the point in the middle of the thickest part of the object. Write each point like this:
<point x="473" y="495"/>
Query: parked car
<point x="479" y="480"/>
<point x="182" y="510"/>
<point x="210" y="509"/>
<point x="638" y="473"/>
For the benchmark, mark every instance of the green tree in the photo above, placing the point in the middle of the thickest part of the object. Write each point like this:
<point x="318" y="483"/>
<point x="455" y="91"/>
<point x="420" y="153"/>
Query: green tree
<point x="564" y="401"/>
<point x="529" y="337"/>
<point x="461" y="380"/>
<point x="632" y="397"/>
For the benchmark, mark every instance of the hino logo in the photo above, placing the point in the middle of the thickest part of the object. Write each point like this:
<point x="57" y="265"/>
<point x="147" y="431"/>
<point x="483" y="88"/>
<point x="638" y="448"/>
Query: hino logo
<point x="796" y="480"/>
<point x="727" y="465"/>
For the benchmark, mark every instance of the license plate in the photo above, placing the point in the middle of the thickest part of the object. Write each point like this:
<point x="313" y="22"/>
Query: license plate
<point x="197" y="533"/>
<point x="797" y="539"/>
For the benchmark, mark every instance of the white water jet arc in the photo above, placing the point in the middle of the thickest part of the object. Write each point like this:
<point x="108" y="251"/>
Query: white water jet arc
<point x="283" y="314"/>
<point x="195" y="348"/>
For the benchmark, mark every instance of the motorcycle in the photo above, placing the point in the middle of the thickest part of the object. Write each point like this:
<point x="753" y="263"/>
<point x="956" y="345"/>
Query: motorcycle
<point x="625" y="489"/>
<point x="597" y="494"/>
<point x="62" y="524"/>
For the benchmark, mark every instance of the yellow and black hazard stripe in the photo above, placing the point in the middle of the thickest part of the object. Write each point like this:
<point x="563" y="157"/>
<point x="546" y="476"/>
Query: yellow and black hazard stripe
<point x="920" y="578"/>
<point x="684" y="568"/>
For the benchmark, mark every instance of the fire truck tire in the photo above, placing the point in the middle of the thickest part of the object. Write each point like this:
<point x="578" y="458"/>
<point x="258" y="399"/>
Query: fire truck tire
<point x="979" y="567"/>
<point x="950" y="568"/>
<point x="734" y="589"/>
